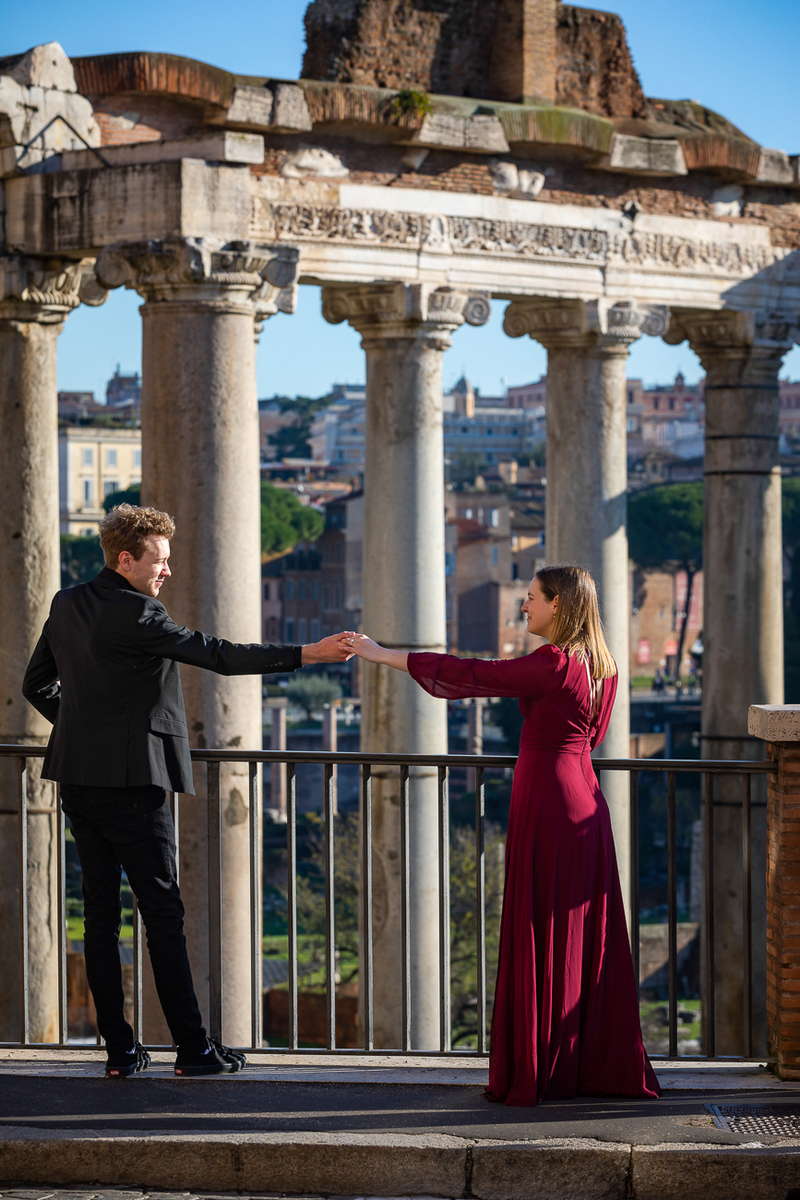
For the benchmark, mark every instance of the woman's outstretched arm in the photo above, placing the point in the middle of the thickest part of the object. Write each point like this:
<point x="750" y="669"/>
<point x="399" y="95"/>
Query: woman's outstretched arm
<point x="368" y="649"/>
<point x="453" y="678"/>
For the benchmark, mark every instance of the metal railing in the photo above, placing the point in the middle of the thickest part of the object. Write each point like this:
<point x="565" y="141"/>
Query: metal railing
<point x="477" y="766"/>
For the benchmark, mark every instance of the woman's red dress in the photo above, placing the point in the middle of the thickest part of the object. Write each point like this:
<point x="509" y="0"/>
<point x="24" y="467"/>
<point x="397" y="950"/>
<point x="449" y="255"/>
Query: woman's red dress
<point x="566" y="1010"/>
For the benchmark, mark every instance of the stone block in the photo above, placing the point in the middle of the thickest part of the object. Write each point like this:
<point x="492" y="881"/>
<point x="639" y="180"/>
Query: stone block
<point x="646" y="156"/>
<point x="290" y="110"/>
<point x="250" y="107"/>
<point x="774" y="722"/>
<point x="304" y="1163"/>
<point x="45" y="66"/>
<point x="775" y="167"/>
<point x="675" y="1172"/>
<point x="230" y="146"/>
<point x="481" y="134"/>
<point x="559" y="1168"/>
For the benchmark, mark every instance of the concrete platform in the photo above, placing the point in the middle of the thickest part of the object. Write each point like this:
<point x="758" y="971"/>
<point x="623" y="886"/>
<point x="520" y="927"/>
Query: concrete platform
<point x="384" y="1127"/>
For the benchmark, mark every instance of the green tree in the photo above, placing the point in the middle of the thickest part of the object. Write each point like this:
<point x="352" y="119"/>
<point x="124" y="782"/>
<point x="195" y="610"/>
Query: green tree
<point x="311" y="692"/>
<point x="791" y="608"/>
<point x="130" y="495"/>
<point x="81" y="558"/>
<point x="285" y="521"/>
<point x="665" y="533"/>
<point x="292" y="441"/>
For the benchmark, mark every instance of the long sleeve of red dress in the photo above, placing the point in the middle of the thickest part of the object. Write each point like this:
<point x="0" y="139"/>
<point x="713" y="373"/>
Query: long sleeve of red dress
<point x="565" y="1019"/>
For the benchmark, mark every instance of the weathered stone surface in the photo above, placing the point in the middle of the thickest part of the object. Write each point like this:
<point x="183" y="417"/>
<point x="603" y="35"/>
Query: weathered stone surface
<point x="568" y="1169"/>
<point x="673" y="1172"/>
<point x="290" y="110"/>
<point x="728" y="201"/>
<point x="776" y="167"/>
<point x="45" y="66"/>
<point x="646" y="156"/>
<point x="516" y="181"/>
<point x="774" y="722"/>
<point x="82" y="211"/>
<point x="37" y="122"/>
<point x="250" y="107"/>
<point x="224" y="146"/>
<point x="314" y="162"/>
<point x="480" y="134"/>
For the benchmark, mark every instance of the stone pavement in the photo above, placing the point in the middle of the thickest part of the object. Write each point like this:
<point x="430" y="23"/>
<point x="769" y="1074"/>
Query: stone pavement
<point x="382" y="1127"/>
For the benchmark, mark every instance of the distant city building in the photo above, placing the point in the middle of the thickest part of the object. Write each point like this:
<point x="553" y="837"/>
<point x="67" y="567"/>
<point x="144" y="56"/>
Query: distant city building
<point x="475" y="427"/>
<point x="124" y="390"/>
<point x="93" y="462"/>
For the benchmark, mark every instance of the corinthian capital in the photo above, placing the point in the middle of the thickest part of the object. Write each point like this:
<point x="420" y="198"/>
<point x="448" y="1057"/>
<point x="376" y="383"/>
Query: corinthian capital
<point x="602" y="323"/>
<point x="39" y="289"/>
<point x="203" y="270"/>
<point x="404" y="310"/>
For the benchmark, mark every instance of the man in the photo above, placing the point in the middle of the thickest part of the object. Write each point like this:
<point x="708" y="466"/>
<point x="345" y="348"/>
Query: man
<point x="105" y="672"/>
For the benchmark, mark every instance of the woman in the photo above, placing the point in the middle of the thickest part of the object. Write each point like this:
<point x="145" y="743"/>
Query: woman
<point x="566" y="1013"/>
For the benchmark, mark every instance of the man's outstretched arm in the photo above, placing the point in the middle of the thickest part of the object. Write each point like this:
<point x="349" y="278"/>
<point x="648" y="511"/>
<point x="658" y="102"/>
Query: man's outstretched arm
<point x="156" y="633"/>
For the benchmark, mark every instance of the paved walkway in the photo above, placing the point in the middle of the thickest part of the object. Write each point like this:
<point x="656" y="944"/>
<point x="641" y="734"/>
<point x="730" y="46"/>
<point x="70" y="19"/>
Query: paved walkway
<point x="414" y="1126"/>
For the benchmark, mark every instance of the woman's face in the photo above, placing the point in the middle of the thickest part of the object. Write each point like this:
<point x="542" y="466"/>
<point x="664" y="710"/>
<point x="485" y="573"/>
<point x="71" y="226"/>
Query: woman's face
<point x="539" y="610"/>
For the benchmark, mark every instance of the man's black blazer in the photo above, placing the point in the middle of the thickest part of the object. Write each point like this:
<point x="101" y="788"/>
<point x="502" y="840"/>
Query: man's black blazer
<point x="105" y="672"/>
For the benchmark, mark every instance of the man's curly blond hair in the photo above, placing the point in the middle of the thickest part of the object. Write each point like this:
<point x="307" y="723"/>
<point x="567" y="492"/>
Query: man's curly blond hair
<point x="128" y="526"/>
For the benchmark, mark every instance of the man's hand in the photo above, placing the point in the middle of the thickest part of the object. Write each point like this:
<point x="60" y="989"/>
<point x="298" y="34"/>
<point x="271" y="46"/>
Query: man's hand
<point x="329" y="650"/>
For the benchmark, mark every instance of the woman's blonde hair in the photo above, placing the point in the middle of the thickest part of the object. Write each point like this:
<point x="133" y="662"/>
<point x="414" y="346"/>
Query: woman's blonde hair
<point x="578" y="629"/>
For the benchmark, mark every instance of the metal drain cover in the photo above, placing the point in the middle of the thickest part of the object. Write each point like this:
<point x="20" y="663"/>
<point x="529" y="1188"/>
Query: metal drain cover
<point x="755" y="1119"/>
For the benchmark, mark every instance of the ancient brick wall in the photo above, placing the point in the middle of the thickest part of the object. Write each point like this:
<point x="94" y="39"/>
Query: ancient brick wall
<point x="492" y="49"/>
<point x="595" y="69"/>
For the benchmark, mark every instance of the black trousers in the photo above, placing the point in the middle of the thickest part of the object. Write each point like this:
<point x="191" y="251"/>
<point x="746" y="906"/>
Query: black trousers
<point x="131" y="829"/>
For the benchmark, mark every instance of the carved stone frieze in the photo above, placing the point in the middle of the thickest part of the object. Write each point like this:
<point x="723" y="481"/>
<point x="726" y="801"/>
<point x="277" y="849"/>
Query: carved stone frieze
<point x="482" y="235"/>
<point x="404" y="310"/>
<point x="205" y="270"/>
<point x="34" y="289"/>
<point x="596" y="323"/>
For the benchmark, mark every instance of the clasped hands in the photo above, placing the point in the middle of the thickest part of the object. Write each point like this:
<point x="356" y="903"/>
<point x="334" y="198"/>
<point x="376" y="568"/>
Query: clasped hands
<point x="340" y="647"/>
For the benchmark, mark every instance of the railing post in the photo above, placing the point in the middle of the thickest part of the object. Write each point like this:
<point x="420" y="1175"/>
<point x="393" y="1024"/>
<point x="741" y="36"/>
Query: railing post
<point x="779" y="727"/>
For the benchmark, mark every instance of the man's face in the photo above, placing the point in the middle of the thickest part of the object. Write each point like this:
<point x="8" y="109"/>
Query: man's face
<point x="148" y="573"/>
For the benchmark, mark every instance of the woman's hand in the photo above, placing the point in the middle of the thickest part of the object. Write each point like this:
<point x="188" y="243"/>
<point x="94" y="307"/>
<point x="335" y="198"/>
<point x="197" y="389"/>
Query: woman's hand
<point x="365" y="647"/>
<point x="371" y="651"/>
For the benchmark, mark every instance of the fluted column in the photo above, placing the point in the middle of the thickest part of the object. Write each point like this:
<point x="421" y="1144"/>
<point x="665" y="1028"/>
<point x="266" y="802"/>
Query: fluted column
<point x="404" y="330"/>
<point x="743" y="610"/>
<point x="35" y="297"/>
<point x="200" y="462"/>
<point x="587" y="479"/>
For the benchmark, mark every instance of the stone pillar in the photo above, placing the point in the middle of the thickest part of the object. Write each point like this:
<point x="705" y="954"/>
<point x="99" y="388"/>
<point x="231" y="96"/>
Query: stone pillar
<point x="743" y="609"/>
<point x="405" y="331"/>
<point x="587" y="479"/>
<point x="35" y="297"/>
<point x="200" y="462"/>
<point x="779" y="727"/>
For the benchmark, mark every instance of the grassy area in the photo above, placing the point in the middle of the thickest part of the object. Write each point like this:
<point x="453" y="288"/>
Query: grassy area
<point x="654" y="1016"/>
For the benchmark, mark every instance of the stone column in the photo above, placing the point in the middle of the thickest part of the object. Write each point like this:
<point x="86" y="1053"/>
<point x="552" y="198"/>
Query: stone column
<point x="405" y="330"/>
<point x="200" y="462"/>
<point x="587" y="479"/>
<point x="743" y="610"/>
<point x="35" y="297"/>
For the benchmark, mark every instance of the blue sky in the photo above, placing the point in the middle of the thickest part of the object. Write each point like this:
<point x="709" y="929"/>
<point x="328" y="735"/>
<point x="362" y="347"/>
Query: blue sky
<point x="736" y="57"/>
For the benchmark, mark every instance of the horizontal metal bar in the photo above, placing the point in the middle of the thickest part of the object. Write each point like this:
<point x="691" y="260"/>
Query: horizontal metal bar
<point x="722" y="766"/>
